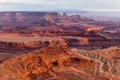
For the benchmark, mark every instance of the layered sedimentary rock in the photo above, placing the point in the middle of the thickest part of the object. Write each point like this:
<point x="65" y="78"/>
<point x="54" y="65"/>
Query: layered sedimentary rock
<point x="23" y="32"/>
<point x="94" y="33"/>
<point x="59" y="62"/>
<point x="108" y="59"/>
<point x="26" y="17"/>
<point x="31" y="44"/>
<point x="17" y="41"/>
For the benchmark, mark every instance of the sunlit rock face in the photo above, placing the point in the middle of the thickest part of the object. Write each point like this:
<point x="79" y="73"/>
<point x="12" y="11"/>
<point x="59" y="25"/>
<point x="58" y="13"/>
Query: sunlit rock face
<point x="108" y="60"/>
<point x="76" y="30"/>
<point x="59" y="62"/>
<point x="53" y="46"/>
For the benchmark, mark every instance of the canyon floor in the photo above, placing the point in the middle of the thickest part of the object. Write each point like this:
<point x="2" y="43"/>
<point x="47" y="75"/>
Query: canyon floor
<point x="53" y="46"/>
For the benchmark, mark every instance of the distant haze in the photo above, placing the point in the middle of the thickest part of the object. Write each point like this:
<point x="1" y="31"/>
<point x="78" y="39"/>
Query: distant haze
<point x="56" y="5"/>
<point x="98" y="15"/>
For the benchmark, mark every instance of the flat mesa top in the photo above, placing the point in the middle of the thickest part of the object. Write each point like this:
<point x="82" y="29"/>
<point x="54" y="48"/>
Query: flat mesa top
<point x="20" y="39"/>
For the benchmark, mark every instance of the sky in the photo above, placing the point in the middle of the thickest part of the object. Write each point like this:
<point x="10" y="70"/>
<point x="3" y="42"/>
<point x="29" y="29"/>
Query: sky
<point x="56" y="5"/>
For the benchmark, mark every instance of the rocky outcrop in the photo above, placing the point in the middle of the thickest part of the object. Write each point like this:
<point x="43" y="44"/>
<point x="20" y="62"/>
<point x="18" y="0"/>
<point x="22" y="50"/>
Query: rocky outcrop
<point x="31" y="44"/>
<point x="27" y="31"/>
<point x="56" y="63"/>
<point x="76" y="41"/>
<point x="108" y="59"/>
<point x="24" y="17"/>
<point x="97" y="34"/>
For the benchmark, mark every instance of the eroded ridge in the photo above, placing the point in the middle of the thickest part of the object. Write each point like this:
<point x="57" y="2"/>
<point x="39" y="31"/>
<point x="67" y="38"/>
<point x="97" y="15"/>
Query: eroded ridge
<point x="108" y="60"/>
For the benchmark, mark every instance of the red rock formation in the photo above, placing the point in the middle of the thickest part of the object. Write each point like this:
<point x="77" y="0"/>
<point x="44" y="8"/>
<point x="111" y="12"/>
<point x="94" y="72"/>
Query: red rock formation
<point x="55" y="63"/>
<point x="107" y="59"/>
<point x="97" y="33"/>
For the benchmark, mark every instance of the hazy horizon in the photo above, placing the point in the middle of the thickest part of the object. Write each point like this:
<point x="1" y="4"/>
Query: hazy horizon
<point x="60" y="5"/>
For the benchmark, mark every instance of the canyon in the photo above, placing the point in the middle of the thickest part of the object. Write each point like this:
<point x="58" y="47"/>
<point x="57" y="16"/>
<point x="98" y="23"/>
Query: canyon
<point x="58" y="46"/>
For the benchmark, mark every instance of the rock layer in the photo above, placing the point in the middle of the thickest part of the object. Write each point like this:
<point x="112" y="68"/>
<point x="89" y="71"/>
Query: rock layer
<point x="59" y="62"/>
